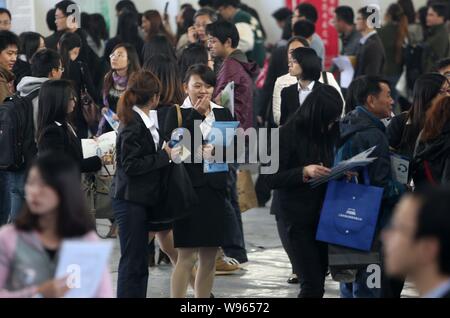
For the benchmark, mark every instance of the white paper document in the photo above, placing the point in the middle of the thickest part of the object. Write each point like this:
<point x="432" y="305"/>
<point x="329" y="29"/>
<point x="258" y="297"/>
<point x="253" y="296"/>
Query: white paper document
<point x="83" y="264"/>
<point x="227" y="97"/>
<point x="103" y="147"/>
<point x="358" y="161"/>
<point x="347" y="71"/>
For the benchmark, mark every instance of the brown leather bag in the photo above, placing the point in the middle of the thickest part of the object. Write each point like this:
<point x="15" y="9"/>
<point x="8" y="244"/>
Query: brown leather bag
<point x="91" y="112"/>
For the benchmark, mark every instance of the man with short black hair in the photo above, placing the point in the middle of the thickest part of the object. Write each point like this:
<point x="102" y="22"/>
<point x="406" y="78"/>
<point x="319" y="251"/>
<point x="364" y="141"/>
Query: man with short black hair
<point x="5" y="19"/>
<point x="344" y="22"/>
<point x="371" y="56"/>
<point x="249" y="29"/>
<point x="283" y="16"/>
<point x="417" y="242"/>
<point x="9" y="48"/>
<point x="309" y="12"/>
<point x="436" y="45"/>
<point x="306" y="29"/>
<point x="361" y="130"/>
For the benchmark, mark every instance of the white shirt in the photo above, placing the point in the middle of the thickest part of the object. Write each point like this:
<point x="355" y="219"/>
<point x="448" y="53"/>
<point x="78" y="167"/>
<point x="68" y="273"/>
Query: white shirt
<point x="288" y="80"/>
<point x="364" y="39"/>
<point x="207" y="125"/>
<point x="304" y="92"/>
<point x="151" y="122"/>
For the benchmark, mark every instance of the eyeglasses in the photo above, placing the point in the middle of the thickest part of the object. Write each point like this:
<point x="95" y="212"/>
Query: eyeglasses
<point x="61" y="69"/>
<point x="119" y="56"/>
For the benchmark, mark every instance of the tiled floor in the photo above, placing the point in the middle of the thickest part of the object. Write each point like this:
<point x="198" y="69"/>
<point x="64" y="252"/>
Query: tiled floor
<point x="265" y="275"/>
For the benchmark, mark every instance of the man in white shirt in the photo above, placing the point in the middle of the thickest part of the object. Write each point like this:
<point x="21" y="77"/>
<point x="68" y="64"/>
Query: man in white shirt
<point x="417" y="244"/>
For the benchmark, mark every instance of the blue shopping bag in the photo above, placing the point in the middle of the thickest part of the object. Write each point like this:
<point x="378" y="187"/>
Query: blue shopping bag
<point x="350" y="214"/>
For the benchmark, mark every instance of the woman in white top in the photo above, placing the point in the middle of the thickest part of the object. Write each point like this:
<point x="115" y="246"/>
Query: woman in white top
<point x="288" y="80"/>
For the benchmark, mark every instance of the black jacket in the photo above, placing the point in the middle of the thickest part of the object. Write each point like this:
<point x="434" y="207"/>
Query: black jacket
<point x="437" y="155"/>
<point x="296" y="201"/>
<point x="61" y="139"/>
<point x="395" y="132"/>
<point x="195" y="170"/>
<point x="290" y="101"/>
<point x="278" y="66"/>
<point x="139" y="165"/>
<point x="370" y="58"/>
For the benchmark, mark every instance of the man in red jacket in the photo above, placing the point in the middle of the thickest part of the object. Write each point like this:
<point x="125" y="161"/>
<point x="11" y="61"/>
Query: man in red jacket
<point x="223" y="40"/>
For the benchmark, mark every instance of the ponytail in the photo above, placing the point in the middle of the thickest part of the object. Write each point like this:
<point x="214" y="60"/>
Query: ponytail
<point x="125" y="106"/>
<point x="142" y="87"/>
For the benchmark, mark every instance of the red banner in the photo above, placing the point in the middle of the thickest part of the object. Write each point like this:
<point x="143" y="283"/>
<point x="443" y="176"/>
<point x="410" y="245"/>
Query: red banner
<point x="324" y="25"/>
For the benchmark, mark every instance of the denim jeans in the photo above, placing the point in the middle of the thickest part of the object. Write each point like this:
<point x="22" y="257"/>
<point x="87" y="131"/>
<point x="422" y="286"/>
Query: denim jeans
<point x="17" y="193"/>
<point x="359" y="288"/>
<point x="132" y="220"/>
<point x="4" y="198"/>
<point x="236" y="251"/>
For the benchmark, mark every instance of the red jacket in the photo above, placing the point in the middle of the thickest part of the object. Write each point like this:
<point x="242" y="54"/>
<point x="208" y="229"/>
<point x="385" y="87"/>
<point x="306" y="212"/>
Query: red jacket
<point x="237" y="68"/>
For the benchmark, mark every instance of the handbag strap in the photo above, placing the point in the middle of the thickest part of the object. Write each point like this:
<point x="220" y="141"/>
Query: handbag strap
<point x="83" y="80"/>
<point x="179" y="116"/>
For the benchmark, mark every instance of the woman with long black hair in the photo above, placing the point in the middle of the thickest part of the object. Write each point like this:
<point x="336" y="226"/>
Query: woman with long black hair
<point x="307" y="146"/>
<point x="57" y="100"/>
<point x="69" y="47"/>
<point x="405" y="128"/>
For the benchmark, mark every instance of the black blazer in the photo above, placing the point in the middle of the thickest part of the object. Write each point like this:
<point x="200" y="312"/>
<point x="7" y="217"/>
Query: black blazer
<point x="139" y="165"/>
<point x="195" y="170"/>
<point x="370" y="58"/>
<point x="290" y="101"/>
<point x="61" y="139"/>
<point x="295" y="202"/>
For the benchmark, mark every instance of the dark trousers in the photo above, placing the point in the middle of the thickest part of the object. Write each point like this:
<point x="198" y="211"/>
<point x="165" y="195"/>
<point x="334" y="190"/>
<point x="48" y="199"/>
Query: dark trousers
<point x="132" y="220"/>
<point x="283" y="233"/>
<point x="311" y="260"/>
<point x="236" y="251"/>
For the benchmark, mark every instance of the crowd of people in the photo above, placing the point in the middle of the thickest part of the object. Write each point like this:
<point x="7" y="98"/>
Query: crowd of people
<point x="55" y="90"/>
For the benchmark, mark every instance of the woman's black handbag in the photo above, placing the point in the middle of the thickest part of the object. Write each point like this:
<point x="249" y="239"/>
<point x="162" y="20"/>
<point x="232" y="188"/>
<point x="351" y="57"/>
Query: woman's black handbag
<point x="179" y="196"/>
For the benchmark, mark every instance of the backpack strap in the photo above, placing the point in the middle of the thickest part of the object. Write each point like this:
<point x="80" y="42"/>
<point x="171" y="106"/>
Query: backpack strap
<point x="325" y="78"/>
